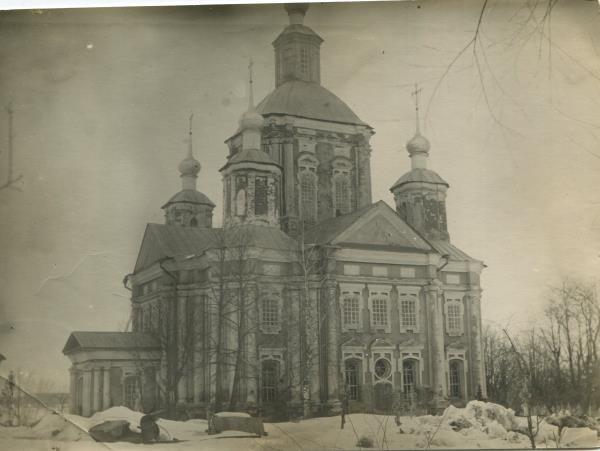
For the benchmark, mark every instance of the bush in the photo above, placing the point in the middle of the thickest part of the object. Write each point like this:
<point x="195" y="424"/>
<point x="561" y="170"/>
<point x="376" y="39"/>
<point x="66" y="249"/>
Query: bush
<point x="364" y="442"/>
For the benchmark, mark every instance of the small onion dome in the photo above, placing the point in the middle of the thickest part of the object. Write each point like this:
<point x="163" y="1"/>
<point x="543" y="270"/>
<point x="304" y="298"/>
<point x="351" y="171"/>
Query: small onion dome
<point x="189" y="167"/>
<point x="251" y="120"/>
<point x="418" y="144"/>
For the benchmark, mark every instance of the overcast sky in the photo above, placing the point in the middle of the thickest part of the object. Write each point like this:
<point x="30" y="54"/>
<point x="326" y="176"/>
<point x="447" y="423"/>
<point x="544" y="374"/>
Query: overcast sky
<point x="102" y="97"/>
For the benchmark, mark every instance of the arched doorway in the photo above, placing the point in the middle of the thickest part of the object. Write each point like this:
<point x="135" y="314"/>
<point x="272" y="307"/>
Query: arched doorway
<point x="383" y="397"/>
<point x="455" y="379"/>
<point x="352" y="378"/>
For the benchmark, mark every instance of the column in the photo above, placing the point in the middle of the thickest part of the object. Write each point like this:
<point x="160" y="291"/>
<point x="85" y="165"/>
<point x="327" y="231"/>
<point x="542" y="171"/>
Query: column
<point x="181" y="352"/>
<point x="252" y="351"/>
<point x="86" y="404"/>
<point x="296" y="352"/>
<point x="106" y="388"/>
<point x="313" y="322"/>
<point x="96" y="389"/>
<point x="477" y="365"/>
<point x="291" y="213"/>
<point x="333" y="357"/>
<point x="436" y="336"/>
<point x="73" y="391"/>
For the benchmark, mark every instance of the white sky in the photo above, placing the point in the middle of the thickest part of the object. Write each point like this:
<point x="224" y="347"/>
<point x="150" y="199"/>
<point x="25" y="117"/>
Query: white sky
<point x="101" y="100"/>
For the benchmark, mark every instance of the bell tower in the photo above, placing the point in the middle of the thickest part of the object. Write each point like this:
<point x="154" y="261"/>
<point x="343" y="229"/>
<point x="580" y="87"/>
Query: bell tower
<point x="420" y="194"/>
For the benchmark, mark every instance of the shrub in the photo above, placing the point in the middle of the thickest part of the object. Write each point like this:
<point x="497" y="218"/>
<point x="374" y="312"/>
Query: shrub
<point x="364" y="442"/>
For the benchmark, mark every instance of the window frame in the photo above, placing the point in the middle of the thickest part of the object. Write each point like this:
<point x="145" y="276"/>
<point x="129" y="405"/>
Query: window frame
<point x="269" y="326"/>
<point x="453" y="301"/>
<point x="380" y="292"/>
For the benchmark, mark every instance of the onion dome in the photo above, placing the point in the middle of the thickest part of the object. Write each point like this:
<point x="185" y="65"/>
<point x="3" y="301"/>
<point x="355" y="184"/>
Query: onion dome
<point x="189" y="166"/>
<point x="418" y="144"/>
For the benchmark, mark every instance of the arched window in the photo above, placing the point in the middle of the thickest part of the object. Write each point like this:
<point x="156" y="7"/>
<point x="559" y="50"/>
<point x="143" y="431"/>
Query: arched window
<point x="409" y="375"/>
<point x="455" y="378"/>
<point x="352" y="378"/>
<point x="240" y="197"/>
<point x="308" y="196"/>
<point x="260" y="196"/>
<point x="269" y="376"/>
<point x="341" y="194"/>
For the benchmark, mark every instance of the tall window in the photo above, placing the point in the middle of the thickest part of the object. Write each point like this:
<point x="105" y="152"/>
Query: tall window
<point x="268" y="381"/>
<point x="308" y="195"/>
<point x="454" y="322"/>
<point x="240" y="196"/>
<point x="352" y="378"/>
<point x="408" y="313"/>
<point x="260" y="196"/>
<point x="270" y="314"/>
<point x="409" y="375"/>
<point x="228" y="196"/>
<point x="380" y="311"/>
<point x="351" y="309"/>
<point x="304" y="61"/>
<point x="341" y="194"/>
<point x="455" y="377"/>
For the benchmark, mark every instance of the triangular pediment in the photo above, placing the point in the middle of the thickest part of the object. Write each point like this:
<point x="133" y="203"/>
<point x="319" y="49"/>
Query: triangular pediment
<point x="381" y="227"/>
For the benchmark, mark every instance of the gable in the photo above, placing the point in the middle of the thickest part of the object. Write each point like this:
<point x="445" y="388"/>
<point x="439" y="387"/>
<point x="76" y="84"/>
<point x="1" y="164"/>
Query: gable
<point x="379" y="228"/>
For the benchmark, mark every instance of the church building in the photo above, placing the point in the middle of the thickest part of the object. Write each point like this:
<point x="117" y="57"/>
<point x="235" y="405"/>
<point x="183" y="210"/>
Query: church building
<point x="310" y="293"/>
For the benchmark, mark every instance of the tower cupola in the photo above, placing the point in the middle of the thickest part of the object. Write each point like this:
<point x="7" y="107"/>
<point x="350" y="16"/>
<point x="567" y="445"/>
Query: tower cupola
<point x="297" y="49"/>
<point x="420" y="194"/>
<point x="189" y="207"/>
<point x="251" y="178"/>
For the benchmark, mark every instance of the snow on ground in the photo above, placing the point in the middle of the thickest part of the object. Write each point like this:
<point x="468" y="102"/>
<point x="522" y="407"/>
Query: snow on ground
<point x="479" y="425"/>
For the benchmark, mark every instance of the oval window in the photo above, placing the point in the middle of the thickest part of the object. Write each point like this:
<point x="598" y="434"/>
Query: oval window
<point x="383" y="369"/>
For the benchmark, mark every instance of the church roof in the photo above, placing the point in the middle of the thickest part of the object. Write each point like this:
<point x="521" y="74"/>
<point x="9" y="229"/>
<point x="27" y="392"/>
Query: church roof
<point x="374" y="226"/>
<point x="250" y="156"/>
<point x="419" y="175"/>
<point x="109" y="340"/>
<point x="170" y="241"/>
<point x="455" y="254"/>
<point x="299" y="29"/>
<point x="307" y="100"/>
<point x="190" y="196"/>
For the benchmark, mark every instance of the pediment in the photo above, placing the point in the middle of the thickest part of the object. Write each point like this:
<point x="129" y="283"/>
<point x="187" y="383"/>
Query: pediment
<point x="381" y="227"/>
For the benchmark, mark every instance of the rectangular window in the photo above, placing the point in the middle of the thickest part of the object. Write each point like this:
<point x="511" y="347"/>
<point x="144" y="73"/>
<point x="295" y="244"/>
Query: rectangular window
<point x="269" y="378"/>
<point x="260" y="196"/>
<point x="351" y="270"/>
<point x="380" y="311"/>
<point x="408" y="313"/>
<point x="407" y="272"/>
<point x="351" y="310"/>
<point x="270" y="314"/>
<point x="454" y="318"/>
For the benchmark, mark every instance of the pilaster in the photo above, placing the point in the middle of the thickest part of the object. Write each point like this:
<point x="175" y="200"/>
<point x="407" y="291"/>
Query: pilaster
<point x="436" y="336"/>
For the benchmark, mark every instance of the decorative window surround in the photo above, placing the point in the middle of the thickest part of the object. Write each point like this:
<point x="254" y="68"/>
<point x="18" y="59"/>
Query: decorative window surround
<point x="454" y="313"/>
<point x="351" y="311"/>
<point x="307" y="178"/>
<point x="379" y="298"/>
<point x="270" y="312"/>
<point x="341" y="191"/>
<point x="409" y="295"/>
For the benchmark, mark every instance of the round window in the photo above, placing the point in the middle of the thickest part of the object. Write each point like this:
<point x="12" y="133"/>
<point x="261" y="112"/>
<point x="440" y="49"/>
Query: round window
<point x="383" y="369"/>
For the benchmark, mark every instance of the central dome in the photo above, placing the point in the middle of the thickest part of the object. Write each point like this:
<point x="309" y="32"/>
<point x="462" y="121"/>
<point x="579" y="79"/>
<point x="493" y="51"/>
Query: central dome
<point x="308" y="100"/>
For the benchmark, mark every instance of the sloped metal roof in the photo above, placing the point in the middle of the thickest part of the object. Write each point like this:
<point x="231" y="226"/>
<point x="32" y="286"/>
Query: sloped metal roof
<point x="308" y="100"/>
<point x="251" y="156"/>
<point x="420" y="175"/>
<point x="190" y="196"/>
<point x="446" y="248"/>
<point x="109" y="340"/>
<point x="161" y="241"/>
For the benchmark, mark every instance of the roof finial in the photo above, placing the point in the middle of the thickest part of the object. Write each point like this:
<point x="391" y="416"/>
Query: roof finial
<point x="190" y="136"/>
<point x="296" y="12"/>
<point x="416" y="93"/>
